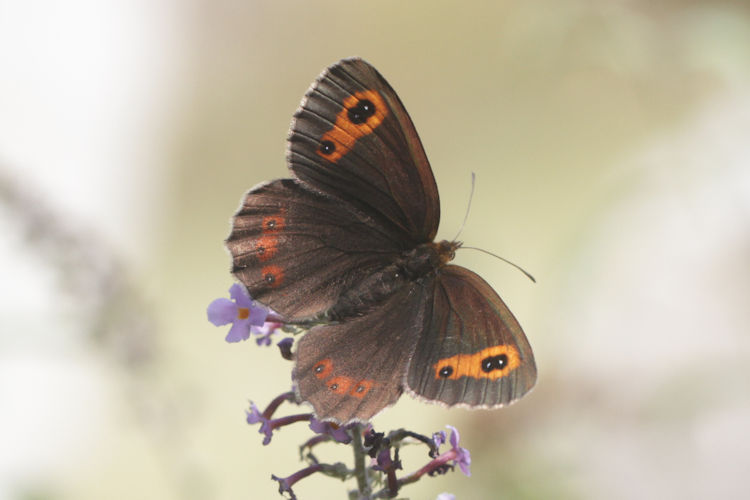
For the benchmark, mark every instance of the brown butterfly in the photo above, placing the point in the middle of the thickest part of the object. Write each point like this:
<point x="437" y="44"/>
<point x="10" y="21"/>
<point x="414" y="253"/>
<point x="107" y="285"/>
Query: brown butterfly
<point x="348" y="242"/>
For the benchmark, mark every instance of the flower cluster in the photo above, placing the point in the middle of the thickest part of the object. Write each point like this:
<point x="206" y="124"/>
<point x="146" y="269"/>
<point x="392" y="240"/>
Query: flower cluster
<point x="383" y="450"/>
<point x="250" y="318"/>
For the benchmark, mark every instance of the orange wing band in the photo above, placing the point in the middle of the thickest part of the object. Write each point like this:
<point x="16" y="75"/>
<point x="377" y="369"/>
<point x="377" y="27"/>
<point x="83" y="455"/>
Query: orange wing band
<point x="493" y="363"/>
<point x="345" y="133"/>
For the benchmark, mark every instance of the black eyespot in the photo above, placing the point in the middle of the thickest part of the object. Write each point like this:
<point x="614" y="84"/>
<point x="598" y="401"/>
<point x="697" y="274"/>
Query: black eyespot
<point x="261" y="250"/>
<point x="360" y="388"/>
<point x="333" y="387"/>
<point x="271" y="224"/>
<point x="501" y="361"/>
<point x="327" y="147"/>
<point x="494" y="363"/>
<point x="361" y="112"/>
<point x="270" y="278"/>
<point x="319" y="368"/>
<point x="446" y="371"/>
<point x="487" y="365"/>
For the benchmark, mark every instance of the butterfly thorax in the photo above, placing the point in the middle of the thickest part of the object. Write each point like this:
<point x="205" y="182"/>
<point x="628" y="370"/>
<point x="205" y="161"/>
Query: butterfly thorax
<point x="409" y="269"/>
<point x="427" y="258"/>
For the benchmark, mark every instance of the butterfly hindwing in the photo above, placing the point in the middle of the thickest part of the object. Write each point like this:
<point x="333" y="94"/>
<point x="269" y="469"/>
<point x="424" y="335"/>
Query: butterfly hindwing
<point x="353" y="139"/>
<point x="285" y="239"/>
<point x="351" y="370"/>
<point x="472" y="351"/>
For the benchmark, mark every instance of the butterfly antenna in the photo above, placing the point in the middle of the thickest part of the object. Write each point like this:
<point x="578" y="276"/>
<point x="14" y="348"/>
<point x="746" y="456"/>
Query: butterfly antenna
<point x="468" y="208"/>
<point x="506" y="261"/>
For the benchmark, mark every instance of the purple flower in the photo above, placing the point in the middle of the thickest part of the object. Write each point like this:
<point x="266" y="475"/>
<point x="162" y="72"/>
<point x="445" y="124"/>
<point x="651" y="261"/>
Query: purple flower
<point x="285" y="483"/>
<point x="446" y="460"/>
<point x="446" y="496"/>
<point x="462" y="456"/>
<point x="265" y="331"/>
<point x="439" y="438"/>
<point x="285" y="347"/>
<point x="268" y="424"/>
<point x="327" y="428"/>
<point x="254" y="416"/>
<point x="241" y="311"/>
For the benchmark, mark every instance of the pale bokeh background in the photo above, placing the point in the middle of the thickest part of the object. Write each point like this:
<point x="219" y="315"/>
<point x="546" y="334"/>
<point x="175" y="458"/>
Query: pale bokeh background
<point x="611" y="143"/>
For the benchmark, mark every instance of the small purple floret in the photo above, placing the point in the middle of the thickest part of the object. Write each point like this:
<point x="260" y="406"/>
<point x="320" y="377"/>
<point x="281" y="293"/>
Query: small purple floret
<point x="285" y="347"/>
<point x="339" y="434"/>
<point x="241" y="311"/>
<point x="439" y="438"/>
<point x="254" y="416"/>
<point x="463" y="457"/>
<point x="265" y="331"/>
<point x="286" y="483"/>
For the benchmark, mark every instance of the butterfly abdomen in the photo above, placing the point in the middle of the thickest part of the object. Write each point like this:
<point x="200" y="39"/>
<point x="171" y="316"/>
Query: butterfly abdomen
<point x="367" y="294"/>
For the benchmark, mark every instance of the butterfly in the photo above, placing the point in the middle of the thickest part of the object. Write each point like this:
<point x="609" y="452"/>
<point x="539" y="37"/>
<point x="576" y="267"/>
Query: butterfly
<point x="347" y="243"/>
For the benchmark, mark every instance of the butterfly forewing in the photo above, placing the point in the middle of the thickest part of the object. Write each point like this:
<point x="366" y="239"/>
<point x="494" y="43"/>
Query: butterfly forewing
<point x="297" y="251"/>
<point x="472" y="351"/>
<point x="353" y="139"/>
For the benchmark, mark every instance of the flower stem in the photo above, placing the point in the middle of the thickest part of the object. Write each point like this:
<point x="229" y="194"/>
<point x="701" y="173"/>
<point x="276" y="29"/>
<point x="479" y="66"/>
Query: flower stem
<point x="360" y="471"/>
<point x="273" y="405"/>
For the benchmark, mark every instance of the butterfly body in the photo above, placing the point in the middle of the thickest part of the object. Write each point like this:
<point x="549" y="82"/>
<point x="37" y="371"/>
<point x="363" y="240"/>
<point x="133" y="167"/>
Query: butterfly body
<point x="412" y="267"/>
<point x="348" y="241"/>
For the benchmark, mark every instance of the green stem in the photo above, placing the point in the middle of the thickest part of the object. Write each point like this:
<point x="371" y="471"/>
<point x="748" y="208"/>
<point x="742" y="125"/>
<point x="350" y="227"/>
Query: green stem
<point x="360" y="470"/>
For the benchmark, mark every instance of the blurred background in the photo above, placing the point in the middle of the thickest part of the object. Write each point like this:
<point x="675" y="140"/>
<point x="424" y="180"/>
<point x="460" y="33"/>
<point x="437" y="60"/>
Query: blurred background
<point x="611" y="144"/>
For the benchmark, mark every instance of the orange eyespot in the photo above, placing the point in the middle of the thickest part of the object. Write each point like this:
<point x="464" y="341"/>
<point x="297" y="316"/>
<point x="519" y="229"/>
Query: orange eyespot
<point x="361" y="388"/>
<point x="272" y="275"/>
<point x="323" y="368"/>
<point x="362" y="113"/>
<point x="340" y="384"/>
<point x="493" y="363"/>
<point x="266" y="247"/>
<point x="274" y="223"/>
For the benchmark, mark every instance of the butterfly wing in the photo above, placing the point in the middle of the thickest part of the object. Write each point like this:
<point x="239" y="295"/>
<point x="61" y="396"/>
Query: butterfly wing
<point x="297" y="251"/>
<point x="353" y="139"/>
<point x="352" y="370"/>
<point x="349" y="214"/>
<point x="472" y="351"/>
